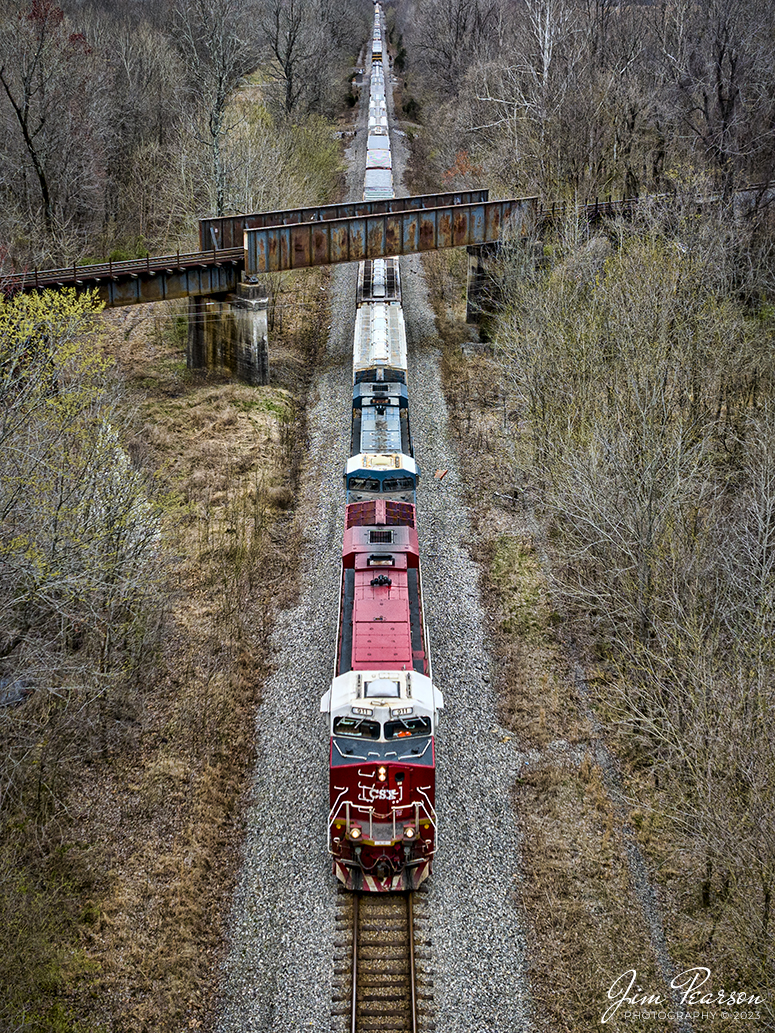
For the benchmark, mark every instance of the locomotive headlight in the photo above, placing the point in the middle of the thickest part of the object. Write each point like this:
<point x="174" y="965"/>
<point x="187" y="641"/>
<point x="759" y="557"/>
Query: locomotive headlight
<point x="409" y="832"/>
<point x="382" y="773"/>
<point x="355" y="832"/>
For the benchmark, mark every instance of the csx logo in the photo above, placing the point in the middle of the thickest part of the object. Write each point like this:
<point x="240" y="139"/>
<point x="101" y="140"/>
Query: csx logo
<point x="369" y="793"/>
<point x="383" y="794"/>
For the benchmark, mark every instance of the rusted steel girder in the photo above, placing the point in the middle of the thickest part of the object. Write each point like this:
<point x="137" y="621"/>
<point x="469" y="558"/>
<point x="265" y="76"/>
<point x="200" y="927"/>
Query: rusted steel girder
<point x="141" y="280"/>
<point x="227" y="231"/>
<point x="275" y="249"/>
<point x="405" y="227"/>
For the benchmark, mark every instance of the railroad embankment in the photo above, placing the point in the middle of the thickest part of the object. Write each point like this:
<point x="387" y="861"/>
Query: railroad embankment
<point x="167" y="802"/>
<point x="115" y="906"/>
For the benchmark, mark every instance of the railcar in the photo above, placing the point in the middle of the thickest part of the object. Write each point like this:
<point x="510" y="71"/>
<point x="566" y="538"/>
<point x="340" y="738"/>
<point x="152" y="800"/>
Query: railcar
<point x="379" y="158"/>
<point x="379" y="343"/>
<point x="378" y="122"/>
<point x="383" y="708"/>
<point x="378" y="185"/>
<point x="379" y="280"/>
<point x="377" y="112"/>
<point x="378" y="137"/>
<point x="382" y="704"/>
<point x="375" y="475"/>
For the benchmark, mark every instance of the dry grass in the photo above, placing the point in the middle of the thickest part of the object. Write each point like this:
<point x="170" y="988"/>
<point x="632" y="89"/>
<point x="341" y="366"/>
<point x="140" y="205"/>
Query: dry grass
<point x="160" y="811"/>
<point x="584" y="921"/>
<point x="584" y="925"/>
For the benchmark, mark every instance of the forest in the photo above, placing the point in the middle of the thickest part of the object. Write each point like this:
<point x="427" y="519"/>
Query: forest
<point x="632" y="361"/>
<point x="122" y="123"/>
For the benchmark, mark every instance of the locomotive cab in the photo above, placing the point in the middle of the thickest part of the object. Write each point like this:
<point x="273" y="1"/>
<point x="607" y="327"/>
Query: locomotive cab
<point x="382" y="823"/>
<point x="392" y="476"/>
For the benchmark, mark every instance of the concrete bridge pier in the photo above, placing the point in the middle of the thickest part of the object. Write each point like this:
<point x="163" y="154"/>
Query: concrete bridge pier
<point x="479" y="298"/>
<point x="230" y="333"/>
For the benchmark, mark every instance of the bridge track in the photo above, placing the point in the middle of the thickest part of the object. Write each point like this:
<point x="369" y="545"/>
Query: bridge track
<point x="399" y="226"/>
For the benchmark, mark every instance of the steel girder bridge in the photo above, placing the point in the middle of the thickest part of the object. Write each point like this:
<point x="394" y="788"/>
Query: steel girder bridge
<point x="245" y="247"/>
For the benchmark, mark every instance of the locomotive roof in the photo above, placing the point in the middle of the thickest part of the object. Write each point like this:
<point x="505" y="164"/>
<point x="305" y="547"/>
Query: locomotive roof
<point x="380" y="462"/>
<point x="352" y="689"/>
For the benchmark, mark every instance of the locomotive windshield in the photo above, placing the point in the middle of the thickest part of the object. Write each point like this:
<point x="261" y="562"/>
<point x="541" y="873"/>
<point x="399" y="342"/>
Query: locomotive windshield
<point x="405" y="727"/>
<point x="363" y="484"/>
<point x="355" y="483"/>
<point x="398" y="484"/>
<point x="356" y="728"/>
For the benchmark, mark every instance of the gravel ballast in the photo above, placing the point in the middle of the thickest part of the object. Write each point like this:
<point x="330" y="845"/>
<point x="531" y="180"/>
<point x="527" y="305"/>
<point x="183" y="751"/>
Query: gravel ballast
<point x="278" y="975"/>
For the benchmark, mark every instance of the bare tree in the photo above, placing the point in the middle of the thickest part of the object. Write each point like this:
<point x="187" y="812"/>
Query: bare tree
<point x="80" y="540"/>
<point x="718" y="73"/>
<point x="217" y="43"/>
<point x="44" y="70"/>
<point x="293" y="37"/>
<point x="634" y="367"/>
<point x="448" y="36"/>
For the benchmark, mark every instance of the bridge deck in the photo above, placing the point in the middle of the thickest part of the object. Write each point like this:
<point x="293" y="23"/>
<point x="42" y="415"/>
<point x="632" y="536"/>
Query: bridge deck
<point x="303" y="237"/>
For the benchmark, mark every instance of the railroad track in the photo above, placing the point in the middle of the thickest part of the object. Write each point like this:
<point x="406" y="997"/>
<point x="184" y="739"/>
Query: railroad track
<point x="382" y="982"/>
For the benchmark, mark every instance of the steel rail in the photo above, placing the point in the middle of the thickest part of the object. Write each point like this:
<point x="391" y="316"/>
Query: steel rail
<point x="410" y="1021"/>
<point x="354" y="1010"/>
<point x="412" y="972"/>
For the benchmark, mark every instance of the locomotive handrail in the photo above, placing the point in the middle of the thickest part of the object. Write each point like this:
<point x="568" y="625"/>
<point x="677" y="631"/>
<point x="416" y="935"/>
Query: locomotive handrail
<point x="345" y="811"/>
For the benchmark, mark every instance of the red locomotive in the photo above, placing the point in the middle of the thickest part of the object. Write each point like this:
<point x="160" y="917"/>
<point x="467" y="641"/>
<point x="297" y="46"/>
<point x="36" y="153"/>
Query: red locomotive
<point x="383" y="707"/>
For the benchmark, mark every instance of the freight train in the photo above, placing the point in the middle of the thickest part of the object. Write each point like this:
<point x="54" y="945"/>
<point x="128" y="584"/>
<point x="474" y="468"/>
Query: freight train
<point x="382" y="704"/>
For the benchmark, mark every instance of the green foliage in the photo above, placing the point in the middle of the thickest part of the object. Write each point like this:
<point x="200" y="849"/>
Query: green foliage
<point x="79" y="541"/>
<point x="41" y="960"/>
<point x="137" y="248"/>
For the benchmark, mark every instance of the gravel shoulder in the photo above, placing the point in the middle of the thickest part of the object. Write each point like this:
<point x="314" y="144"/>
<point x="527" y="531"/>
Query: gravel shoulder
<point x="278" y="975"/>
